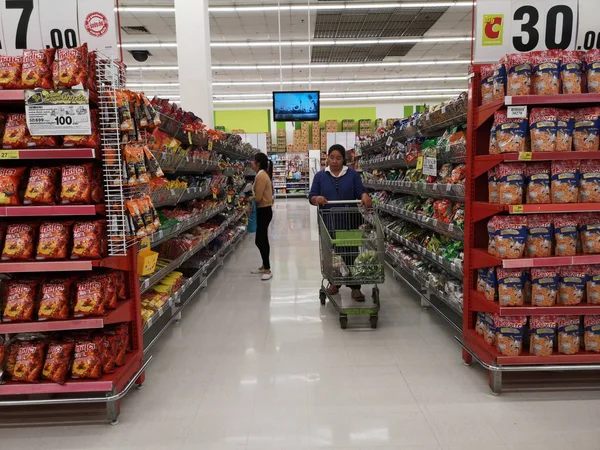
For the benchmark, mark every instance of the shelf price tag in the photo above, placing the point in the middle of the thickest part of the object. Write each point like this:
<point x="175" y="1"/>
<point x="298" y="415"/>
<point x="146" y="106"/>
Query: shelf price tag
<point x="517" y="209"/>
<point x="58" y="112"/>
<point x="525" y="156"/>
<point x="420" y="163"/>
<point x="517" y="112"/>
<point x="9" y="154"/>
<point x="389" y="141"/>
<point x="430" y="166"/>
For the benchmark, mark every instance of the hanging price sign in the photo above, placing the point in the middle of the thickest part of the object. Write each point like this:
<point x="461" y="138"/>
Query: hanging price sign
<point x="56" y="113"/>
<point x="430" y="166"/>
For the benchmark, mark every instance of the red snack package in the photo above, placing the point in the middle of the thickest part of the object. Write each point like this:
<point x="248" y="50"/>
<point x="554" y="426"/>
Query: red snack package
<point x="16" y="133"/>
<point x="89" y="299"/>
<point x="76" y="184"/>
<point x="542" y="333"/>
<point x="538" y="182"/>
<point x="37" y="69"/>
<point x="566" y="235"/>
<point x="85" y="141"/>
<point x="53" y="241"/>
<point x="3" y="356"/>
<point x="538" y="243"/>
<point x="119" y="280"/>
<point x="10" y="72"/>
<point x="592" y="286"/>
<point x="510" y="235"/>
<point x="545" y="77"/>
<point x="58" y="361"/>
<point x="30" y="361"/>
<point x="110" y="290"/>
<point x="87" y="240"/>
<point x="19" y="242"/>
<point x="571" y="285"/>
<point x="19" y="305"/>
<point x="544" y="286"/>
<point x="11" y="357"/>
<point x="97" y="187"/>
<point x="571" y="70"/>
<point x="87" y="362"/>
<point x="586" y="130"/>
<point x="509" y="334"/>
<point x="41" y="186"/>
<point x="110" y="348"/>
<point x="591" y="337"/>
<point x="564" y="182"/>
<point x="10" y="180"/>
<point x="564" y="130"/>
<point x="55" y="303"/>
<point x="569" y="335"/>
<point x="592" y="70"/>
<point x="518" y="71"/>
<point x="72" y="67"/>
<point x="92" y="71"/>
<point x="122" y="330"/>
<point x="589" y="181"/>
<point x="510" y="182"/>
<point x="542" y="128"/>
<point x="589" y="232"/>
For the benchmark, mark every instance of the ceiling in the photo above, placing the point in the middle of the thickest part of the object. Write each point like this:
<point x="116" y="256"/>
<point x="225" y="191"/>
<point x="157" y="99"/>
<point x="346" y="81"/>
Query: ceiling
<point x="375" y="64"/>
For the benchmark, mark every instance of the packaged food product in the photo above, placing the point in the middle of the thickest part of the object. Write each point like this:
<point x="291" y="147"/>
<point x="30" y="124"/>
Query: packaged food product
<point x="119" y="280"/>
<point x="88" y="240"/>
<point x="92" y="71"/>
<point x="509" y="334"/>
<point x="133" y="207"/>
<point x="487" y="83"/>
<point x="10" y="180"/>
<point x="565" y="235"/>
<point x="493" y="187"/>
<point x="155" y="169"/>
<point x="37" y="69"/>
<point x="53" y="241"/>
<point x="592" y="285"/>
<point x="564" y="184"/>
<point x="511" y="234"/>
<point x="493" y="147"/>
<point x="122" y="330"/>
<point x="499" y="79"/>
<point x="544" y="286"/>
<point x="58" y="360"/>
<point x="510" y="287"/>
<point x="134" y="160"/>
<point x="591" y="336"/>
<point x="41" y="186"/>
<point x="518" y="72"/>
<point x="85" y="141"/>
<point x="489" y="335"/>
<point x="538" y="243"/>
<point x="126" y="122"/>
<point x="10" y="72"/>
<point x="480" y="324"/>
<point x="19" y="242"/>
<point x="481" y="279"/>
<point x="110" y="290"/>
<point x="76" y="184"/>
<point x="16" y="134"/>
<point x="87" y="362"/>
<point x="571" y="285"/>
<point x="564" y="130"/>
<point x="491" y="285"/>
<point x="571" y="69"/>
<point x="592" y="70"/>
<point x="542" y="128"/>
<point x="586" y="137"/>
<point x="569" y="334"/>
<point x="89" y="299"/>
<point x="55" y="302"/>
<point x="29" y="361"/>
<point x="545" y="76"/>
<point x="42" y="142"/>
<point x="589" y="181"/>
<point x="11" y="357"/>
<point x="511" y="134"/>
<point x="110" y="348"/>
<point x="19" y="302"/>
<point x="3" y="357"/>
<point x="542" y="331"/>
<point x="589" y="233"/>
<point x="510" y="178"/>
<point x="537" y="177"/>
<point x="491" y="228"/>
<point x="72" y="67"/>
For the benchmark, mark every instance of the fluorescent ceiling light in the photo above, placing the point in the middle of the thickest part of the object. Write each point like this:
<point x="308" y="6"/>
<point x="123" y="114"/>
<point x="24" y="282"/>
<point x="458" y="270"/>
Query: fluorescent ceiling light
<point x="151" y="68"/>
<point x="351" y="93"/>
<point x="352" y="99"/>
<point x="335" y="6"/>
<point x="146" y="9"/>
<point x="144" y="45"/>
<point x="343" y="65"/>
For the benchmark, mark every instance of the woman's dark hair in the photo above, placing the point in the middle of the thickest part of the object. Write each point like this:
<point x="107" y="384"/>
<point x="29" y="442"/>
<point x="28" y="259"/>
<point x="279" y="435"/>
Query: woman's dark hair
<point x="264" y="163"/>
<point x="337" y="148"/>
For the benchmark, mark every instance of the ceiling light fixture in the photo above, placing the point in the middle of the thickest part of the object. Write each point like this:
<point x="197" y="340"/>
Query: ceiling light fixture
<point x="344" y="65"/>
<point x="151" y="68"/>
<point x="142" y="45"/>
<point x="351" y="99"/>
<point x="352" y="93"/>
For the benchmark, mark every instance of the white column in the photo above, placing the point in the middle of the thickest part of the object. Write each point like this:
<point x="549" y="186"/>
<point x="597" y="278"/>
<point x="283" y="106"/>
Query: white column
<point x="194" y="58"/>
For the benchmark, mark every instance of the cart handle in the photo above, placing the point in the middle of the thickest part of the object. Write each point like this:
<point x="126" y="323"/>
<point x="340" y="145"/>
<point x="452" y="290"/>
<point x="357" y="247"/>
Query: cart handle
<point x="344" y="202"/>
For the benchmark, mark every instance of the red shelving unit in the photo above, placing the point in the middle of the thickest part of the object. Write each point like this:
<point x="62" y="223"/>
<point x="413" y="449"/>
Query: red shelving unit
<point x="50" y="153"/>
<point x="56" y="210"/>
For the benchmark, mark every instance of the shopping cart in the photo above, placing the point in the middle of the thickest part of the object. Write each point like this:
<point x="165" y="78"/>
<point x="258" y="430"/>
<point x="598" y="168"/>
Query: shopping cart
<point x="352" y="253"/>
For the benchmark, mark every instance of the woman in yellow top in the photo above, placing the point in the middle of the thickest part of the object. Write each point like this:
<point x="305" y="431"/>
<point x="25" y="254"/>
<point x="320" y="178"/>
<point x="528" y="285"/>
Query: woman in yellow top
<point x="263" y="196"/>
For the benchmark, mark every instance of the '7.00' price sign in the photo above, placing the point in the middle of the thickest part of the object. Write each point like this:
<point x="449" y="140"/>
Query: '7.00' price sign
<point x="61" y="112"/>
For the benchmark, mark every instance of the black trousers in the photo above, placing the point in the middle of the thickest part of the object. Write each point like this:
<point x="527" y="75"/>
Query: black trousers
<point x="263" y="219"/>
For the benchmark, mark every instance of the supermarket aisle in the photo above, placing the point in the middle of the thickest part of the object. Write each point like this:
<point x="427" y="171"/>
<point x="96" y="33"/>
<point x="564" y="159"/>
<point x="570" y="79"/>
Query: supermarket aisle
<point x="261" y="365"/>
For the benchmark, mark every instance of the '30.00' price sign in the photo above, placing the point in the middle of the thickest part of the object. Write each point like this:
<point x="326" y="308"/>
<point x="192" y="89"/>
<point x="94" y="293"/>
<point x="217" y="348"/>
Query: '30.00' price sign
<point x="528" y="25"/>
<point x="37" y="24"/>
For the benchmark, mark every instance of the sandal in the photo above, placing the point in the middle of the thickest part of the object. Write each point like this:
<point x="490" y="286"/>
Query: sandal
<point x="357" y="296"/>
<point x="333" y="290"/>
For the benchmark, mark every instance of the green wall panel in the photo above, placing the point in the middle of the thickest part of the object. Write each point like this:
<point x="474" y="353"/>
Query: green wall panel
<point x="249" y="120"/>
<point x="408" y="110"/>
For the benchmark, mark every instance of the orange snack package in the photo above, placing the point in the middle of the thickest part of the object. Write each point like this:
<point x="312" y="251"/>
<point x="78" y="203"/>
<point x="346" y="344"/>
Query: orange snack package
<point x="589" y="232"/>
<point x="510" y="287"/>
<point x="487" y="83"/>
<point x="16" y="133"/>
<point x="87" y="362"/>
<point x="76" y="184"/>
<point x="499" y="75"/>
<point x="589" y="181"/>
<point x="481" y="280"/>
<point x="571" y="70"/>
<point x="566" y="235"/>
<point x="564" y="130"/>
<point x="110" y="290"/>
<point x="542" y="331"/>
<point x="571" y="285"/>
<point x="592" y="286"/>
<point x="493" y="194"/>
<point x="97" y="186"/>
<point x="518" y="72"/>
<point x="491" y="228"/>
<point x="564" y="183"/>
<point x="592" y="70"/>
<point x="490" y="290"/>
<point x="511" y="134"/>
<point x="586" y="130"/>
<point x="510" y="179"/>
<point x="591" y="333"/>
<point x="480" y="324"/>
<point x="53" y="241"/>
<point x="89" y="299"/>
<point x="511" y="234"/>
<point x="37" y="69"/>
<point x="509" y="334"/>
<point x="569" y="335"/>
<point x="489" y="330"/>
<point x="10" y="72"/>
<point x="119" y="280"/>
<point x="538" y="243"/>
<point x="542" y="128"/>
<point x="19" y="303"/>
<point x="58" y="361"/>
<point x="19" y="242"/>
<point x="88" y="240"/>
<point x="537" y="177"/>
<point x="41" y="186"/>
<point x="544" y="286"/>
<point x="10" y="180"/>
<point x="110" y="349"/>
<point x="72" y="67"/>
<point x="29" y="361"/>
<point x="545" y="76"/>
<point x="55" y="303"/>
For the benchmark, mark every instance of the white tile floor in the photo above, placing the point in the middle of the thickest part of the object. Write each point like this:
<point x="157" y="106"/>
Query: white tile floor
<point x="261" y="365"/>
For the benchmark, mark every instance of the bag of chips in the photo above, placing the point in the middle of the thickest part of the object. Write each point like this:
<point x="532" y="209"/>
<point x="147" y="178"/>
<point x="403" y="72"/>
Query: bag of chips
<point x="19" y="242"/>
<point x="544" y="286"/>
<point x="97" y="186"/>
<point x="110" y="349"/>
<point x="592" y="70"/>
<point x="511" y="134"/>
<point x="72" y="67"/>
<point x="110" y="290"/>
<point x="545" y="76"/>
<point x="589" y="232"/>
<point x="493" y="194"/>
<point x="89" y="299"/>
<point x="122" y="330"/>
<point x="136" y="165"/>
<point x="480" y="324"/>
<point x="511" y="234"/>
<point x="537" y="177"/>
<point x="518" y="72"/>
<point x="125" y="119"/>
<point x="564" y="184"/>
<point x="586" y="137"/>
<point x="510" y="179"/>
<point x="16" y="133"/>
<point x="3" y="357"/>
<point x="509" y="334"/>
<point x="76" y="184"/>
<point x="499" y="79"/>
<point x="571" y="285"/>
<point x="481" y="280"/>
<point x="564" y="130"/>
<point x="589" y="181"/>
<point x="87" y="362"/>
<point x="55" y="303"/>
<point x="542" y="331"/>
<point x="58" y="360"/>
<point x="491" y="228"/>
<point x="569" y="335"/>
<point x="510" y="287"/>
<point x="53" y="241"/>
<point x="88" y="240"/>
<point x="155" y="169"/>
<point x="566" y="235"/>
<point x="41" y="186"/>
<point x="119" y="280"/>
<point x="10" y="72"/>
<point x="487" y="83"/>
<point x="10" y="180"/>
<point x="491" y="285"/>
<point x="592" y="285"/>
<point x="542" y="127"/>
<point x="20" y="301"/>
<point x="571" y="69"/>
<point x="86" y="141"/>
<point x="29" y="359"/>
<point x="37" y="69"/>
<point x="493" y="146"/>
<point x="591" y="336"/>
<point x="538" y="243"/>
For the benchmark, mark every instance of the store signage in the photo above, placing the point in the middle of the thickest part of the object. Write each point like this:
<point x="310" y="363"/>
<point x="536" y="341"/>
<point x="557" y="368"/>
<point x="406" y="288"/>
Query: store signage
<point x="517" y="112"/>
<point x="58" y="112"/>
<point x="430" y="166"/>
<point x="40" y="24"/>
<point x="528" y="25"/>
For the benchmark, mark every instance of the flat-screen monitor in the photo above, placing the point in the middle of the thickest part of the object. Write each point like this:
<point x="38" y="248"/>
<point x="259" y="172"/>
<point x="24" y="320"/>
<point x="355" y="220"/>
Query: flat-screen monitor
<point x="296" y="106"/>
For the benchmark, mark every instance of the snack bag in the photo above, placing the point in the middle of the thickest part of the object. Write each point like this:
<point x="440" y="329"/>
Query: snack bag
<point x="481" y="279"/>
<point x="511" y="134"/>
<point x="589" y="232"/>
<point x="487" y="83"/>
<point x="42" y="142"/>
<point x="509" y="334"/>
<point x="110" y="348"/>
<point x="569" y="335"/>
<point x="542" y="331"/>
<point x="586" y="137"/>
<point x="491" y="228"/>
<point x="88" y="241"/>
<point x="19" y="302"/>
<point x="493" y="147"/>
<point x="571" y="69"/>
<point x="76" y="184"/>
<point x="122" y="330"/>
<point x="480" y="324"/>
<point x="518" y="70"/>
<point x="564" y="184"/>
<point x="544" y="286"/>
<point x="537" y="177"/>
<point x="85" y="141"/>
<point x="55" y="303"/>
<point x="592" y="285"/>
<point x="592" y="70"/>
<point x="589" y="181"/>
<point x="53" y="241"/>
<point x="565" y="235"/>
<point x="545" y="76"/>
<point x="510" y="287"/>
<point x="119" y="280"/>
<point x="591" y="336"/>
<point x="489" y="335"/>
<point x="564" y="130"/>
<point x="58" y="361"/>
<point x="155" y="169"/>
<point x="87" y="362"/>
<point x="10" y="72"/>
<point x="511" y="234"/>
<point x="16" y="133"/>
<point x="571" y="285"/>
<point x="491" y="285"/>
<point x="499" y="79"/>
<point x="110" y="290"/>
<point x="3" y="356"/>
<point x="542" y="127"/>
<point x="538" y="243"/>
<point x="72" y="67"/>
<point x="29" y="360"/>
<point x="41" y="186"/>
<point x="126" y="122"/>
<point x="37" y="69"/>
<point x="510" y="179"/>
<point x="10" y="180"/>
<point x="89" y="299"/>
<point x="19" y="242"/>
<point x="493" y="187"/>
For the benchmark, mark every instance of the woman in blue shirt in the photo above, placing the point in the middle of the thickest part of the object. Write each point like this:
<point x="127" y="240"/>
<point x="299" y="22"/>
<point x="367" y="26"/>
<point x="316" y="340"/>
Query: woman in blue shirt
<point x="339" y="182"/>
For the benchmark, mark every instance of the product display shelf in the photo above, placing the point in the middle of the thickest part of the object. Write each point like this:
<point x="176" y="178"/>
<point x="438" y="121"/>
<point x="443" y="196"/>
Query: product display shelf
<point x="447" y="229"/>
<point x="229" y="151"/>
<point x="478" y="212"/>
<point x="113" y="262"/>
<point x="433" y="190"/>
<point x="54" y="210"/>
<point x="50" y="153"/>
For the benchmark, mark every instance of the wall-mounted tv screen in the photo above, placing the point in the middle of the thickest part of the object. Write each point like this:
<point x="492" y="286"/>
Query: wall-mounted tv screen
<point x="296" y="106"/>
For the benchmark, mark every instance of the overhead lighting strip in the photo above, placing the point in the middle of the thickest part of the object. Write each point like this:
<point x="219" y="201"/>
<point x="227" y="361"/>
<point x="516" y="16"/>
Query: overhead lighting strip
<point x="353" y="93"/>
<point x="351" y="99"/>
